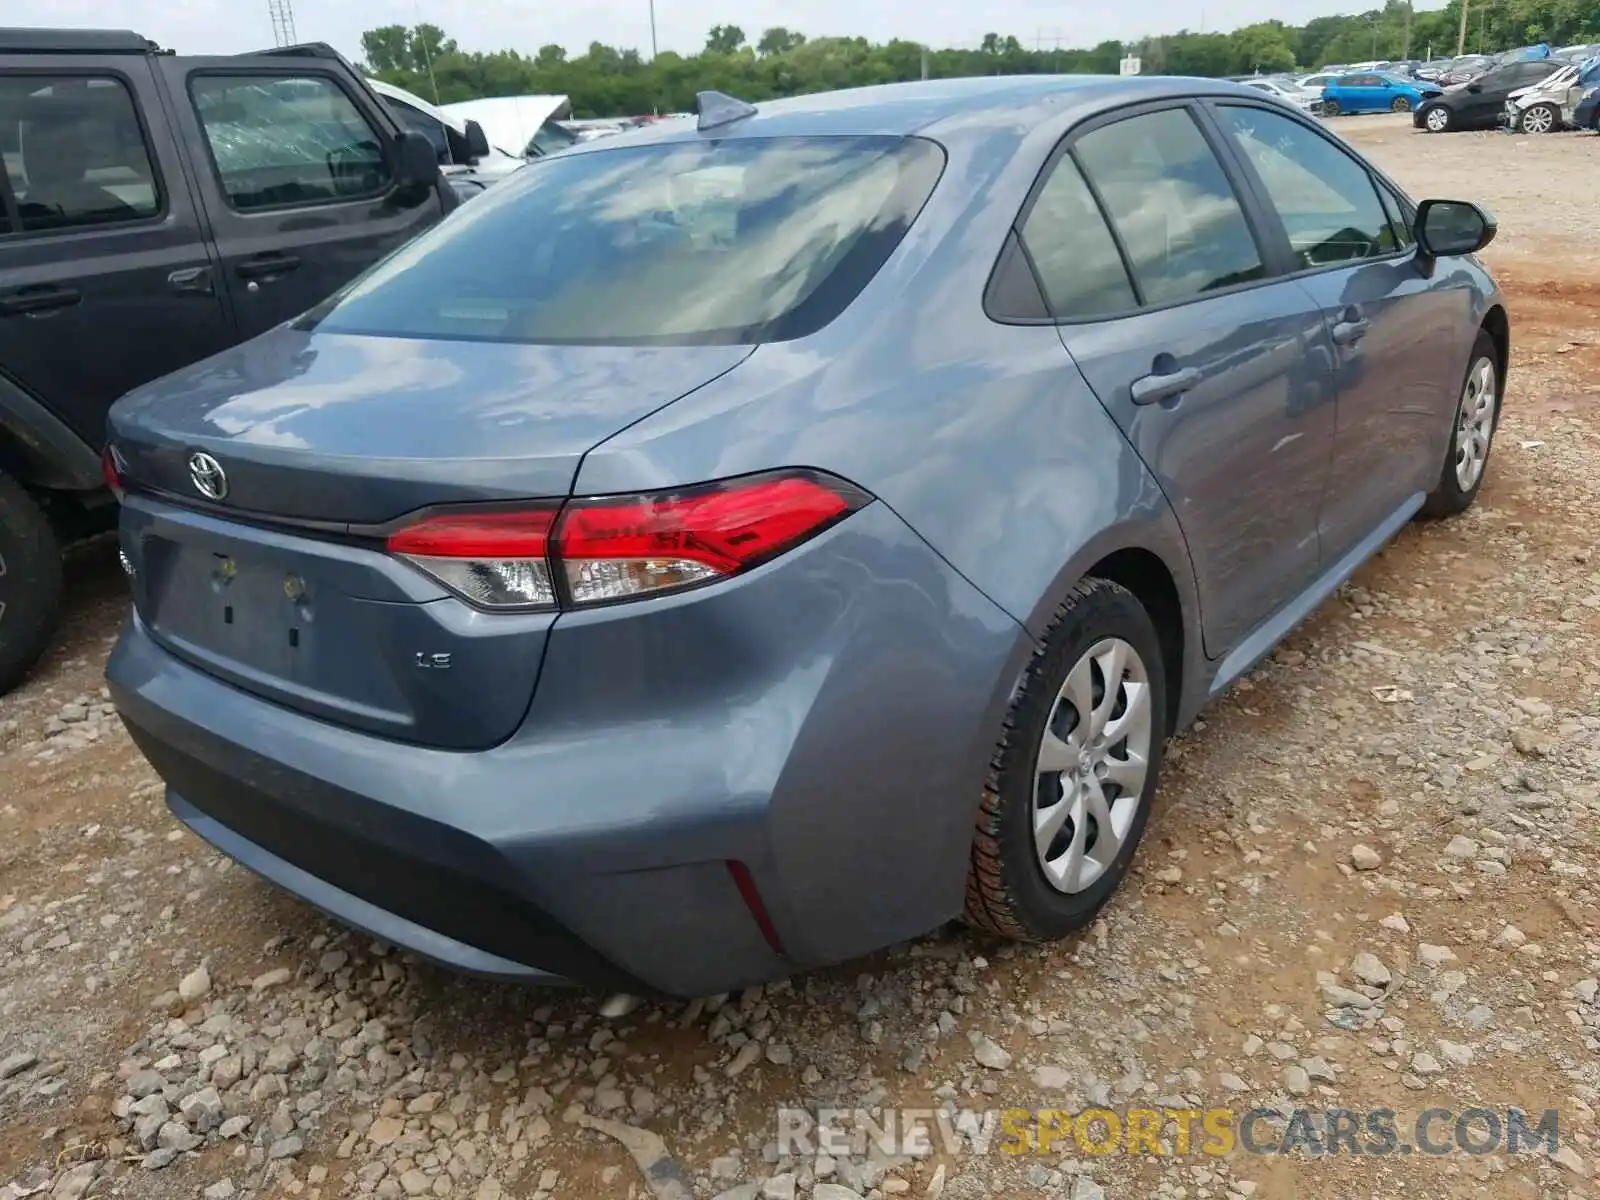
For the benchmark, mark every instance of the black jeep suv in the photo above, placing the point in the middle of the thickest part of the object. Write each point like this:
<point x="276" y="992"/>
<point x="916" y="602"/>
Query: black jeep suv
<point x="155" y="209"/>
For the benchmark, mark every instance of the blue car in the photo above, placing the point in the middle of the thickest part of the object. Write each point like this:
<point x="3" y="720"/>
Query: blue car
<point x="742" y="544"/>
<point x="1372" y="91"/>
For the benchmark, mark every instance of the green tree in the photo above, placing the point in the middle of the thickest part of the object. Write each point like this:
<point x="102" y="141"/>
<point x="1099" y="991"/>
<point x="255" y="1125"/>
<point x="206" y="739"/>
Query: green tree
<point x="778" y="40"/>
<point x="724" y="39"/>
<point x="387" y="49"/>
<point x="1262" y="48"/>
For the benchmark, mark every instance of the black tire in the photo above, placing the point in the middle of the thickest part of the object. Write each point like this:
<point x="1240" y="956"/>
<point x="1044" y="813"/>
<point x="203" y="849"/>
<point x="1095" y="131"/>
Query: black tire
<point x="1401" y="104"/>
<point x="1443" y="122"/>
<point x="1007" y="891"/>
<point x="1448" y="496"/>
<point x="1330" y="108"/>
<point x="30" y="583"/>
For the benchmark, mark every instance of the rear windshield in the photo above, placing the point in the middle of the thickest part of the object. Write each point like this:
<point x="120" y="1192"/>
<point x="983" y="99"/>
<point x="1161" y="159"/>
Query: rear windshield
<point x="735" y="241"/>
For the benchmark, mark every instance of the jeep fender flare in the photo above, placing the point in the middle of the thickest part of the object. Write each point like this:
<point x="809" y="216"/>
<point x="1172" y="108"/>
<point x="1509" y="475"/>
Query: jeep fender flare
<point x="38" y="449"/>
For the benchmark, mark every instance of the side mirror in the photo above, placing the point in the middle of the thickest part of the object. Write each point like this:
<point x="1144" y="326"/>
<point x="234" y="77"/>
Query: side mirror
<point x="477" y="140"/>
<point x="1474" y="87"/>
<point x="416" y="164"/>
<point x="1445" y="228"/>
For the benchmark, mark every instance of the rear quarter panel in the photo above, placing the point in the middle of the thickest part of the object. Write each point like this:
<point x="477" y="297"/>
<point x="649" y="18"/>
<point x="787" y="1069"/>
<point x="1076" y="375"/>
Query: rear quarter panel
<point x="983" y="437"/>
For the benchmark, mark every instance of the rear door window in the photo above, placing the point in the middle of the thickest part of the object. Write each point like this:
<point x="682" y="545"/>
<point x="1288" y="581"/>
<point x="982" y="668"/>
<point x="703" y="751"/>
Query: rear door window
<point x="1073" y="250"/>
<point x="75" y="152"/>
<point x="1171" y="204"/>
<point x="687" y="243"/>
<point x="281" y="140"/>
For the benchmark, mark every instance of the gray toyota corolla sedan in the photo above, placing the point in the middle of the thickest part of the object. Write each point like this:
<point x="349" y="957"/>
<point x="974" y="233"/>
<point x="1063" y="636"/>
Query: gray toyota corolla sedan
<point x="740" y="545"/>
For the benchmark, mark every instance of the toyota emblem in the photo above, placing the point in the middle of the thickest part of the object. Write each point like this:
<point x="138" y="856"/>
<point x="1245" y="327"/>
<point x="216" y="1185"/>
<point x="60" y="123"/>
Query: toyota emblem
<point x="209" y="479"/>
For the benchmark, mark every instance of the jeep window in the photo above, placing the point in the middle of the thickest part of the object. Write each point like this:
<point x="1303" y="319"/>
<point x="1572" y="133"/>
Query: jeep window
<point x="280" y="141"/>
<point x="75" y="153"/>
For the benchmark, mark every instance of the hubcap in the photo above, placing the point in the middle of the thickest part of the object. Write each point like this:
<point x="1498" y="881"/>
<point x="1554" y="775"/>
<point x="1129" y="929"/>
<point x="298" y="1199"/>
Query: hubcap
<point x="1093" y="762"/>
<point x="1438" y="119"/>
<point x="1537" y="120"/>
<point x="1475" y="423"/>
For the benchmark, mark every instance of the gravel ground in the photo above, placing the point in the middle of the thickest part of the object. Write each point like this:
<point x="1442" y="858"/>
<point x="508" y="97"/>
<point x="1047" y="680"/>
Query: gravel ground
<point x="1370" y="881"/>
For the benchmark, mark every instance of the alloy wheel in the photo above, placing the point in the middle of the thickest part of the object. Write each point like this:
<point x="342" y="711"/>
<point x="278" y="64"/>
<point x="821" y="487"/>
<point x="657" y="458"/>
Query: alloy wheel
<point x="1538" y="119"/>
<point x="1475" y="423"/>
<point x="1401" y="104"/>
<point x="1438" y="119"/>
<point x="1093" y="762"/>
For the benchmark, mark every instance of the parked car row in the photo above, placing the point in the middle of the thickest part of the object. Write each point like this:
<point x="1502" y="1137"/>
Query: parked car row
<point x="1521" y="90"/>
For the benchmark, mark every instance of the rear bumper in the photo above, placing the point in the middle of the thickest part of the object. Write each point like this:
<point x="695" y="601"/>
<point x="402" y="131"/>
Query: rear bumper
<point x="825" y="721"/>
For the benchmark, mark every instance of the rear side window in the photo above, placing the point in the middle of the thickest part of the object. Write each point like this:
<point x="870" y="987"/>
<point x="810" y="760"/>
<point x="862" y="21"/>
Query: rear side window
<point x="1326" y="199"/>
<point x="75" y="153"/>
<point x="1171" y="204"/>
<point x="288" y="140"/>
<point x="1073" y="251"/>
<point x="732" y="241"/>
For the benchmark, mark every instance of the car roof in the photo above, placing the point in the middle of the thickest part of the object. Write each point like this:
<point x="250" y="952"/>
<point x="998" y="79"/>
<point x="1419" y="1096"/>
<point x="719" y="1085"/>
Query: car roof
<point x="75" y="41"/>
<point x="931" y="107"/>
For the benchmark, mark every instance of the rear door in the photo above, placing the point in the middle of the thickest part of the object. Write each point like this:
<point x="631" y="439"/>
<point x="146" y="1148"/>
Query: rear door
<point x="297" y="178"/>
<point x="106" y="278"/>
<point x="1218" y="374"/>
<point x="1393" y="328"/>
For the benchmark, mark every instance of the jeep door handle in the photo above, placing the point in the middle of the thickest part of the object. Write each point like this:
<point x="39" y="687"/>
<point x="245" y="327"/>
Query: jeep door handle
<point x="265" y="265"/>
<point x="1159" y="387"/>
<point x="191" y="280"/>
<point x="27" y="301"/>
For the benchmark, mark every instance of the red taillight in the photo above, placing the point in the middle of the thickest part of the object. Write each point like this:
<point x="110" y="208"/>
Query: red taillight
<point x="616" y="548"/>
<point x="110" y="472"/>
<point x="494" y="559"/>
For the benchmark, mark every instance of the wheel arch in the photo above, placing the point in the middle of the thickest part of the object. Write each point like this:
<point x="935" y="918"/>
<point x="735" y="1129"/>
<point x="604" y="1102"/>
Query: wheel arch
<point x="1498" y="326"/>
<point x="1147" y="576"/>
<point x="38" y="449"/>
<point x="1150" y="559"/>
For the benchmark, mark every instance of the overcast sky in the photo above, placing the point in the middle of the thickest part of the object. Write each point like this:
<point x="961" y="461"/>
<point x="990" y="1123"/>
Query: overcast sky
<point x="227" y="26"/>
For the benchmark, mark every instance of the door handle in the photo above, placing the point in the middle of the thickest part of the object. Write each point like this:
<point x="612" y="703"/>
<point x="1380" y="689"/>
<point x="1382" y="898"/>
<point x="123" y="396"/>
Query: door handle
<point x="265" y="265"/>
<point x="1348" y="333"/>
<point x="37" y="300"/>
<point x="196" y="280"/>
<point x="1155" y="387"/>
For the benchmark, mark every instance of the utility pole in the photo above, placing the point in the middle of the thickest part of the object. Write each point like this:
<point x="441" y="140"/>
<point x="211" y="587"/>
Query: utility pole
<point x="1461" y="38"/>
<point x="652" y="29"/>
<point x="282" y="14"/>
<point x="1405" y="44"/>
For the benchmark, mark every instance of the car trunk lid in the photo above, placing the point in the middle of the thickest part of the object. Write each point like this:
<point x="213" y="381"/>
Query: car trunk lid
<point x="344" y="429"/>
<point x="281" y="585"/>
